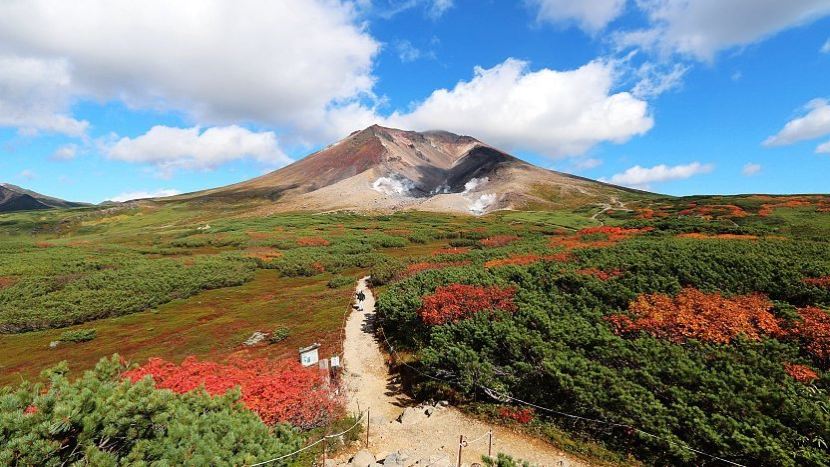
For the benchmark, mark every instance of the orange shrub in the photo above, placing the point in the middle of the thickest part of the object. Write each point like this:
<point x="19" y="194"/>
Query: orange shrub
<point x="455" y="302"/>
<point x="312" y="241"/>
<point x="523" y="415"/>
<point x="801" y="373"/>
<point x="7" y="281"/>
<point x="415" y="268"/>
<point x="818" y="281"/>
<point x="277" y="391"/>
<point x="513" y="260"/>
<point x="262" y="252"/>
<point x="814" y="329"/>
<point x="600" y="274"/>
<point x="693" y="314"/>
<point x="498" y="240"/>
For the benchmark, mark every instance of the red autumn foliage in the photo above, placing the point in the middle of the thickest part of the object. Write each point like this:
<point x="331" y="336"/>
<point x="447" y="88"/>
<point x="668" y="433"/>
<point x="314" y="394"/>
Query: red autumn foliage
<point x="31" y="409"/>
<point x="816" y="281"/>
<point x="600" y="274"/>
<point x="693" y="314"/>
<point x="277" y="391"/>
<point x="821" y="203"/>
<point x="801" y="373"/>
<point x="523" y="415"/>
<point x="415" y="268"/>
<point x="498" y="240"/>
<point x="713" y="210"/>
<point x="312" y="241"/>
<point x="318" y="267"/>
<point x="455" y="302"/>
<point x="513" y="260"/>
<point x="585" y="238"/>
<point x="814" y="329"/>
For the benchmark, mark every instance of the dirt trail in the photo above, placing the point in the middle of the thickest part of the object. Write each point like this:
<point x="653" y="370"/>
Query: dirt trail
<point x="369" y="385"/>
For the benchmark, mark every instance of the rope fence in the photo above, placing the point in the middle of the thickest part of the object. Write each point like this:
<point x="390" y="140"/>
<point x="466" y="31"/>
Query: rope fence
<point x="505" y="397"/>
<point x="306" y="448"/>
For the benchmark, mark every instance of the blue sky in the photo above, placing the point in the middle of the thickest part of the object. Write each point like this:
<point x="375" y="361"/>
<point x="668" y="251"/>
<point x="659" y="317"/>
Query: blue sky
<point x="112" y="99"/>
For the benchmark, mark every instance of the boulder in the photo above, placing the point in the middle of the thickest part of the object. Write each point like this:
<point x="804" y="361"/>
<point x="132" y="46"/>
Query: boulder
<point x="54" y="344"/>
<point x="396" y="459"/>
<point x="410" y="415"/>
<point x="255" y="338"/>
<point x="429" y="411"/>
<point x="363" y="458"/>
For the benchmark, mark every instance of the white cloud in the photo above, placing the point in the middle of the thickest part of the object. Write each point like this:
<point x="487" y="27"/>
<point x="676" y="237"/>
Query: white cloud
<point x="826" y="47"/>
<point x="131" y="195"/>
<point x="285" y="63"/>
<point x="701" y="28"/>
<point x="27" y="174"/>
<point x="171" y="148"/>
<point x="556" y="113"/>
<point x="437" y="8"/>
<point x="586" y="164"/>
<point x="656" y="79"/>
<point x="34" y="96"/>
<point x="751" y="169"/>
<point x="823" y="148"/>
<point x="407" y="52"/>
<point x="642" y="177"/>
<point x="66" y="152"/>
<point x="815" y="123"/>
<point x="590" y="15"/>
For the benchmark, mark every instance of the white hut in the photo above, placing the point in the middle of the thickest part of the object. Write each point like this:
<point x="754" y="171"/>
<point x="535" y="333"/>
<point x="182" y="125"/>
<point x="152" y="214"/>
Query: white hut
<point x="309" y="355"/>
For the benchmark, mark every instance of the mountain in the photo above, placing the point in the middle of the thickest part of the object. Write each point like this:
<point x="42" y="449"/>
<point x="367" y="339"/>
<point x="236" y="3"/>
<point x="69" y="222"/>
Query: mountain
<point x="384" y="169"/>
<point x="15" y="198"/>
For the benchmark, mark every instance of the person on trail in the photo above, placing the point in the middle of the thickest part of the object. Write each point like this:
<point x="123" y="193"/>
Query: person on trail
<point x="361" y="296"/>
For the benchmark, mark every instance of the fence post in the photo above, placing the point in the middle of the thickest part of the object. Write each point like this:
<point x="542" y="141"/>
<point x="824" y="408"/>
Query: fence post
<point x="460" y="446"/>
<point x="490" y="443"/>
<point x="368" y="419"/>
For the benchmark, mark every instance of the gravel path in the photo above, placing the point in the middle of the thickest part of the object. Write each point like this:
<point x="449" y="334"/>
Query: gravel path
<point x="370" y="385"/>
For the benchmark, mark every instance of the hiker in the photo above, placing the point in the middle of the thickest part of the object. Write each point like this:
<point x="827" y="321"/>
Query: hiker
<point x="361" y="296"/>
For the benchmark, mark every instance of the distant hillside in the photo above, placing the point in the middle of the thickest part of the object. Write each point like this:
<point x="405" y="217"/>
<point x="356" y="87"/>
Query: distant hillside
<point x="15" y="198"/>
<point x="385" y="169"/>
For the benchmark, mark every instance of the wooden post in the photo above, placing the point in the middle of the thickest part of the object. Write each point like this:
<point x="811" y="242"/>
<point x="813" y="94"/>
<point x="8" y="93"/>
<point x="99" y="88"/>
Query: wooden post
<point x="490" y="443"/>
<point x="367" y="426"/>
<point x="460" y="446"/>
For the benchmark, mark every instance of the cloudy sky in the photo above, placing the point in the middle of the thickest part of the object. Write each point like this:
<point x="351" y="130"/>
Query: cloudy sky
<point x="112" y="99"/>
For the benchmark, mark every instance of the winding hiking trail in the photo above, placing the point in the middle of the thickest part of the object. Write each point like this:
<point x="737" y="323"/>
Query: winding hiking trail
<point x="369" y="385"/>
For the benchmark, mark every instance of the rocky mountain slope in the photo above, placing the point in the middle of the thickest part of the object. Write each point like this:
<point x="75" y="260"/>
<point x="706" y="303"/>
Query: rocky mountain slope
<point x="384" y="169"/>
<point x="15" y="198"/>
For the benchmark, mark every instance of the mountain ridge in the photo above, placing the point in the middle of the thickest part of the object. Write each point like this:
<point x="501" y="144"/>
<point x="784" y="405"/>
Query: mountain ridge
<point x="14" y="198"/>
<point x="388" y="169"/>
